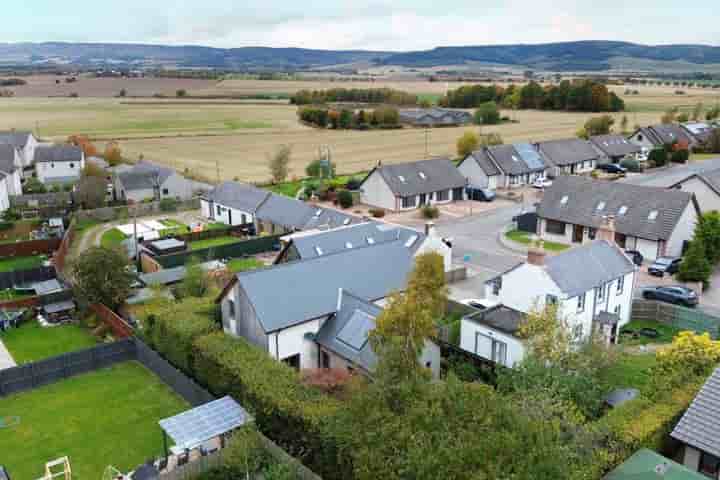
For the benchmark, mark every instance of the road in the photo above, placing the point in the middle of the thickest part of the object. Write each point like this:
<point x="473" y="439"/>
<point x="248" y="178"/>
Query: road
<point x="672" y="174"/>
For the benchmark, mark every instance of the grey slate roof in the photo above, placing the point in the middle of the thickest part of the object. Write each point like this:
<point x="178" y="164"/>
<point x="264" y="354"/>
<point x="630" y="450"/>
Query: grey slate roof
<point x="17" y="139"/>
<point x="515" y="159"/>
<point x="309" y="287"/>
<point x="614" y="145"/>
<point x="501" y="318"/>
<point x="700" y="426"/>
<point x="584" y="195"/>
<point x="667" y="133"/>
<point x="484" y="161"/>
<point x="241" y="196"/>
<point x="58" y="153"/>
<point x="286" y="211"/>
<point x="406" y="179"/>
<point x="166" y="276"/>
<point x="434" y="116"/>
<point x="568" y="152"/>
<point x="710" y="177"/>
<point x="7" y="158"/>
<point x="346" y="332"/>
<point x="331" y="218"/>
<point x="144" y="175"/>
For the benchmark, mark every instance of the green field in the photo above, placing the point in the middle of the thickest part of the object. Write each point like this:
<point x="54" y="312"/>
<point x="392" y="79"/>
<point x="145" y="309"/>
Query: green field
<point x="667" y="332"/>
<point x="213" y="242"/>
<point x="21" y="263"/>
<point x="31" y="342"/>
<point x="107" y="417"/>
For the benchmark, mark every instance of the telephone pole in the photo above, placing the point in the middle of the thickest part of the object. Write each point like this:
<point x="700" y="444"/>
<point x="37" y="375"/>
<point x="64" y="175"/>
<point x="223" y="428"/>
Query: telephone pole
<point x="217" y="170"/>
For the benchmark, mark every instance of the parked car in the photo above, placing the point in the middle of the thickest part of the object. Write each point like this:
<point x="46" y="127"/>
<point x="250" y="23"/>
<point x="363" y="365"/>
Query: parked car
<point x="675" y="294"/>
<point x="479" y="304"/>
<point x="663" y="265"/>
<point x="612" y="168"/>
<point x="636" y="257"/>
<point x="481" y="194"/>
<point x="542" y="182"/>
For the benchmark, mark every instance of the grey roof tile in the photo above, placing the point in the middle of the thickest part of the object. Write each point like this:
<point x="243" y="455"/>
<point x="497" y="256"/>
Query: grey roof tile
<point x="144" y="175"/>
<point x="501" y="318"/>
<point x="614" y="145"/>
<point x="287" y="212"/>
<point x="584" y="196"/>
<point x="700" y="426"/>
<point x="17" y="139"/>
<point x="424" y="176"/>
<point x="484" y="161"/>
<point x="7" y="158"/>
<point x="568" y="152"/>
<point x="58" y="153"/>
<point x="241" y="196"/>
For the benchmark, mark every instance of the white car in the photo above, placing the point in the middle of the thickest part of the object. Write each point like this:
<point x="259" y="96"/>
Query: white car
<point x="542" y="182"/>
<point x="479" y="304"/>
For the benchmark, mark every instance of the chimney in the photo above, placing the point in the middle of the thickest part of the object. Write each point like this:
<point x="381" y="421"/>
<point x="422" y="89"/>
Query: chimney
<point x="536" y="254"/>
<point x="379" y="164"/>
<point x="429" y="228"/>
<point x="606" y="230"/>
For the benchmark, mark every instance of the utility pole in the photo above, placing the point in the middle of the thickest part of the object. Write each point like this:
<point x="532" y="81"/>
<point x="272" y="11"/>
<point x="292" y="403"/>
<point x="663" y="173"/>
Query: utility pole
<point x="427" y="142"/>
<point x="217" y="170"/>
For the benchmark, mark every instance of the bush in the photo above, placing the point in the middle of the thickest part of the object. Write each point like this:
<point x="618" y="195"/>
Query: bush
<point x="316" y="169"/>
<point x="680" y="156"/>
<point x="631" y="165"/>
<point x="487" y="114"/>
<point x="430" y="212"/>
<point x="353" y="184"/>
<point x="345" y="198"/>
<point x="377" y="212"/>
<point x="168" y="205"/>
<point x="658" y="157"/>
<point x="6" y="225"/>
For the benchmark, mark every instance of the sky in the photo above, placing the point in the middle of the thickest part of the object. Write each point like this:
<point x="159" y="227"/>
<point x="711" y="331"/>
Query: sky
<point x="398" y="25"/>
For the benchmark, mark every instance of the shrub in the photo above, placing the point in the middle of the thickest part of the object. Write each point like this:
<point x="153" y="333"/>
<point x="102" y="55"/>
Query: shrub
<point x="680" y="156"/>
<point x="345" y="198"/>
<point x="6" y="225"/>
<point x="430" y="212"/>
<point x="631" y="165"/>
<point x="377" y="212"/>
<point x="168" y="205"/>
<point x="658" y="157"/>
<point x="353" y="184"/>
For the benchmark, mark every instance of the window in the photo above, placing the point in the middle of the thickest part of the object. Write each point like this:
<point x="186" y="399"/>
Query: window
<point x="581" y="303"/>
<point x="498" y="349"/>
<point x="442" y="196"/>
<point x="408" y="202"/>
<point x="231" y="308"/>
<point x="620" y="285"/>
<point x="165" y="191"/>
<point x="72" y="165"/>
<point x="600" y="206"/>
<point x="623" y="210"/>
<point x="592" y="232"/>
<point x="555" y="227"/>
<point x="219" y="210"/>
<point x="564" y="200"/>
<point x="617" y="310"/>
<point x="499" y="352"/>
<point x="401" y="178"/>
<point x="293" y="361"/>
<point x="324" y="359"/>
<point x="551" y="300"/>
<point x="422" y="175"/>
<point x="497" y="286"/>
<point x="709" y="464"/>
<point x="52" y="165"/>
<point x="601" y="293"/>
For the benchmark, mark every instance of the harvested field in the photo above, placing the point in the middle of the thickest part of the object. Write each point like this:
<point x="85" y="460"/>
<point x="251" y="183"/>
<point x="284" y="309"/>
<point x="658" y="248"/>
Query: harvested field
<point x="46" y="86"/>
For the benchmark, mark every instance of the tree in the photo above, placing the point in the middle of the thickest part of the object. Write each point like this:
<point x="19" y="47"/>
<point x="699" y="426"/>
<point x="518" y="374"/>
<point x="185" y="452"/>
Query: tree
<point x="123" y="93"/>
<point x="599" y="125"/>
<point x="346" y="119"/>
<point x="181" y="93"/>
<point x="547" y="335"/>
<point x="196" y="282"/>
<point x="91" y="191"/>
<point x="713" y="113"/>
<point x="316" y="169"/>
<point x="113" y="154"/>
<point x="707" y="230"/>
<point x="33" y="185"/>
<point x="695" y="266"/>
<point x="658" y="157"/>
<point x="690" y="356"/>
<point x="683" y="117"/>
<point x="279" y="163"/>
<point x="84" y="143"/>
<point x="467" y="144"/>
<point x="345" y="199"/>
<point x="102" y="275"/>
<point x="670" y="115"/>
<point x="697" y="111"/>
<point x="490" y="139"/>
<point x="487" y="114"/>
<point x="624" y="124"/>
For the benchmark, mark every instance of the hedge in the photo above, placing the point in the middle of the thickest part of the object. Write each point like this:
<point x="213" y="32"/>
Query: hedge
<point x="293" y="415"/>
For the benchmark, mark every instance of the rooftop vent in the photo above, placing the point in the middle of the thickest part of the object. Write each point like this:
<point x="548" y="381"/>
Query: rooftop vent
<point x="653" y="215"/>
<point x="318" y="250"/>
<point x="623" y="210"/>
<point x="422" y="175"/>
<point x="346" y="221"/>
<point x="370" y="241"/>
<point x="564" y="200"/>
<point x="348" y="245"/>
<point x="515" y="159"/>
<point x="401" y="178"/>
<point x="600" y="206"/>
<point x="318" y="212"/>
<point x="411" y="241"/>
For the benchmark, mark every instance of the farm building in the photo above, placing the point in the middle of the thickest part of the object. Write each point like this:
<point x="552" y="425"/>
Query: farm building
<point x="148" y="181"/>
<point x="406" y="186"/>
<point x="570" y="156"/>
<point x="58" y="163"/>
<point x="503" y="166"/>
<point x="434" y="117"/>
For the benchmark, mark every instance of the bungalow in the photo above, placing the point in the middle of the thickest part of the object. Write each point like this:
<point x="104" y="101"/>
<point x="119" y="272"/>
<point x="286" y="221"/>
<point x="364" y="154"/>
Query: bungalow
<point x="699" y="430"/>
<point x="58" y="163"/>
<point x="11" y="168"/>
<point x="406" y="186"/>
<point x="503" y="166"/>
<point x="705" y="186"/>
<point x="701" y="131"/>
<point x="591" y="285"/>
<point x="614" y="148"/>
<point x="148" y="181"/>
<point x="24" y="142"/>
<point x="282" y="308"/>
<point x="232" y="203"/>
<point x="571" y="156"/>
<point x="434" y="117"/>
<point x="656" y="136"/>
<point x="655" y="221"/>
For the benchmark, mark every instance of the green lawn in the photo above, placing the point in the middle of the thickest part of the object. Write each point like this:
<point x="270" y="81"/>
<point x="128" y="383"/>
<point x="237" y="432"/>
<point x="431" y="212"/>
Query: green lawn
<point x="667" y="333"/>
<point x="107" y="417"/>
<point x="31" y="342"/>
<point x="83" y="225"/>
<point x="215" y="226"/>
<point x="289" y="189"/>
<point x="11" y="294"/>
<point x="213" y="242"/>
<point x="242" y="264"/>
<point x="526" y="238"/>
<point x="174" y="228"/>
<point x="631" y="371"/>
<point x="21" y="263"/>
<point x="112" y="238"/>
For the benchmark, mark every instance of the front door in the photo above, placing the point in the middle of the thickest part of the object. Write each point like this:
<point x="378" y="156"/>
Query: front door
<point x="423" y="199"/>
<point x="230" y="216"/>
<point x="578" y="233"/>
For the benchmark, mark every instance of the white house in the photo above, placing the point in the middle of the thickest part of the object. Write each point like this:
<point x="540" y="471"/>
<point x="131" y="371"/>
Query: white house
<point x="503" y="166"/>
<point x="149" y="181"/>
<point x="591" y="286"/>
<point x="232" y="203"/>
<point x="11" y="168"/>
<point x="705" y="186"/>
<point x="572" y="156"/>
<point x="655" y="136"/>
<point x="24" y="142"/>
<point x="58" y="163"/>
<point x="654" y="221"/>
<point x="407" y="186"/>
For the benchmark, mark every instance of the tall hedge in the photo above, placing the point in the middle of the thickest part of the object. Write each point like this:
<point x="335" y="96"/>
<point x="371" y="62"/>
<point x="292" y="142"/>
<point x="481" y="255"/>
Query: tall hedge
<point x="293" y="415"/>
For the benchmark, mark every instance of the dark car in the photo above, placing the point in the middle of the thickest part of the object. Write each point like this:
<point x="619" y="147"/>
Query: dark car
<point x="636" y="257"/>
<point x="480" y="194"/>
<point x="663" y="265"/>
<point x="672" y="294"/>
<point x="612" y="168"/>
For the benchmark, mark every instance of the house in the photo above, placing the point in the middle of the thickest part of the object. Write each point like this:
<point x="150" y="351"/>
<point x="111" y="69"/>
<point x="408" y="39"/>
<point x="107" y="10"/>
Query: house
<point x="648" y="465"/>
<point x="503" y="166"/>
<point x="705" y="186"/>
<point x="343" y="339"/>
<point x="654" y="221"/>
<point x="701" y="131"/>
<point x="281" y="308"/>
<point x="591" y="286"/>
<point x="406" y="186"/>
<point x="434" y="117"/>
<point x="4" y="192"/>
<point x="315" y="243"/>
<point x="656" y="136"/>
<point x="699" y="430"/>
<point x="24" y="142"/>
<point x="614" y="148"/>
<point x="58" y="163"/>
<point x="11" y="168"/>
<point x="148" y="181"/>
<point x="232" y="203"/>
<point x="571" y="156"/>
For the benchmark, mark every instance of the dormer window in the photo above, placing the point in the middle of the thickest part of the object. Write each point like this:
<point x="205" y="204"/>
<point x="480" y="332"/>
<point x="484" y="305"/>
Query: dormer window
<point x="318" y="213"/>
<point x="318" y="250"/>
<point x="401" y="178"/>
<point x="515" y="159"/>
<point x="422" y="175"/>
<point x="623" y="210"/>
<point x="370" y="241"/>
<point x="348" y="245"/>
<point x="600" y="206"/>
<point x="346" y="221"/>
<point x="564" y="200"/>
<point x="653" y="215"/>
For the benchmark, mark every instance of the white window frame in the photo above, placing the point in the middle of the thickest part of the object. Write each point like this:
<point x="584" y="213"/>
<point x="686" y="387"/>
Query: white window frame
<point x="581" y="302"/>
<point x="620" y="285"/>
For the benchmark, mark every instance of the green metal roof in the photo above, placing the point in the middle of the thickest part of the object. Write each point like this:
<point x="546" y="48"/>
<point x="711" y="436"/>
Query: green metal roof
<point x="648" y="465"/>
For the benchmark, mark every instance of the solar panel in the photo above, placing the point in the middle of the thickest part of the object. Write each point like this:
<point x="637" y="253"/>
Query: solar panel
<point x="355" y="332"/>
<point x="530" y="156"/>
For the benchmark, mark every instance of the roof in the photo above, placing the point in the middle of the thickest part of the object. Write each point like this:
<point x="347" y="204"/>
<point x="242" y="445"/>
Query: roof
<point x="346" y="332"/>
<point x="483" y="161"/>
<point x="568" y="152"/>
<point x="241" y="196"/>
<point x="58" y="153"/>
<point x="710" y="177"/>
<point x="167" y="244"/>
<point x="7" y="158"/>
<point x="585" y="196"/>
<point x="648" y="465"/>
<point x="424" y="176"/>
<point x="59" y="306"/>
<point x="315" y="244"/>
<point x="700" y="426"/>
<point x="193" y="427"/>
<point x="286" y="211"/>
<point x="47" y="287"/>
<point x="512" y="162"/>
<point x="434" y="115"/>
<point x="500" y="317"/>
<point x="666" y="133"/>
<point x="700" y="130"/>
<point x="331" y="218"/>
<point x="310" y="286"/>
<point x="144" y="175"/>
<point x="166" y="276"/>
<point x="17" y="139"/>
<point x="614" y="145"/>
<point x="580" y="269"/>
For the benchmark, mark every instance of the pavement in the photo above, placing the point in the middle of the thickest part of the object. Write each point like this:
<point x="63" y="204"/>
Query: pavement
<point x="6" y="360"/>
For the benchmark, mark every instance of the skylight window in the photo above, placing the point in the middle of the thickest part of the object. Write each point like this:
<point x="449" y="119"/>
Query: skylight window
<point x="318" y="212"/>
<point x="653" y="215"/>
<point x="318" y="250"/>
<point x="346" y="221"/>
<point x="422" y="175"/>
<point x="515" y="159"/>
<point x="411" y="241"/>
<point x="601" y="206"/>
<point x="401" y="178"/>
<point x="564" y="200"/>
<point x="370" y="241"/>
<point x="348" y="245"/>
<point x="623" y="210"/>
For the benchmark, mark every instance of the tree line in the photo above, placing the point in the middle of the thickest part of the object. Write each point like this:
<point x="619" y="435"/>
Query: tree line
<point x="357" y="95"/>
<point x="577" y="96"/>
<point x="382" y="117"/>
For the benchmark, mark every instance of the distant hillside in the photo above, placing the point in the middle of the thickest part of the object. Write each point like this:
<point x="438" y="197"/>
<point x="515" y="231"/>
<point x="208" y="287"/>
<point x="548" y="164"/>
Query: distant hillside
<point x="570" y="56"/>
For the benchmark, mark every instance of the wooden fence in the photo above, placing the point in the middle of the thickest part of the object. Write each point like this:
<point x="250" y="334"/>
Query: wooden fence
<point x="106" y="214"/>
<point x="676" y="316"/>
<point x="29" y="248"/>
<point x="119" y="327"/>
<point x="60" y="256"/>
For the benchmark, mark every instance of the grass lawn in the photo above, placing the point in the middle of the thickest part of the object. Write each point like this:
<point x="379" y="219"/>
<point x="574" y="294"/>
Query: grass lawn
<point x="242" y="264"/>
<point x="213" y="242"/>
<point x="31" y="342"/>
<point x="83" y="225"/>
<point x="107" y="417"/>
<point x="11" y="294"/>
<point x="20" y="231"/>
<point x="174" y="227"/>
<point x="526" y="238"/>
<point x="699" y="157"/>
<point x="667" y="333"/>
<point x="21" y="263"/>
<point x="289" y="189"/>
<point x="112" y="238"/>
<point x="215" y="226"/>
<point x="631" y="371"/>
